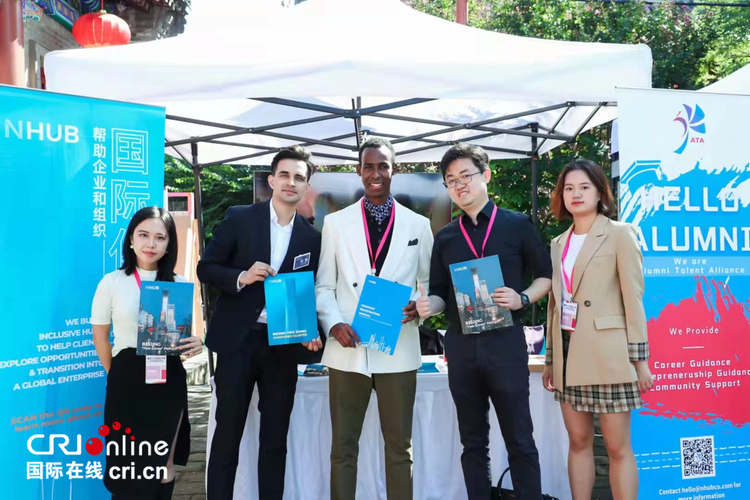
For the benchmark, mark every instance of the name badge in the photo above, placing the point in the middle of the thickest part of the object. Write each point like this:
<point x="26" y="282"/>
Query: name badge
<point x="156" y="369"/>
<point x="301" y="261"/>
<point x="569" y="313"/>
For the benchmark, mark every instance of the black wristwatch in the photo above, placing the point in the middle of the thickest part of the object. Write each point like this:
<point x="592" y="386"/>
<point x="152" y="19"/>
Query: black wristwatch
<point x="525" y="300"/>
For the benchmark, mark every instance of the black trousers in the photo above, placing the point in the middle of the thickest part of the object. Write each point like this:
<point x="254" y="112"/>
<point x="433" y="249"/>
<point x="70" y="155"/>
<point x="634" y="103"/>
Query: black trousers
<point x="236" y="375"/>
<point x="493" y="365"/>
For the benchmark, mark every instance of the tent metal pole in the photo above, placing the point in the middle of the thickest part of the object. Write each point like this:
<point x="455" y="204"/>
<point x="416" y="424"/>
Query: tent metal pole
<point x="276" y="150"/>
<point x="467" y="139"/>
<point x="552" y="130"/>
<point x="253" y="130"/>
<point x="356" y="105"/>
<point x="534" y="198"/>
<point x="197" y="168"/>
<point x="588" y="119"/>
<point x="345" y="113"/>
<point x="512" y="131"/>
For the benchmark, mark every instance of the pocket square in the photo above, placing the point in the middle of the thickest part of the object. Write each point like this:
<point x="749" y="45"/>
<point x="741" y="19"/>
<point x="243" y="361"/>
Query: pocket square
<point x="413" y="242"/>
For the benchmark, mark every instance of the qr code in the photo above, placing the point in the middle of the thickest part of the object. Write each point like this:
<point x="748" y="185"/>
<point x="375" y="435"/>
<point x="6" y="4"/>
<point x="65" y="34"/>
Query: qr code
<point x="698" y="458"/>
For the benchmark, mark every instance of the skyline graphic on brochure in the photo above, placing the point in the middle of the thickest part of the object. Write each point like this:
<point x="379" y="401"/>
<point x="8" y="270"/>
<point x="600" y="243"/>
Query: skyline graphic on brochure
<point x="473" y="282"/>
<point x="165" y="317"/>
<point x="290" y="307"/>
<point x="377" y="320"/>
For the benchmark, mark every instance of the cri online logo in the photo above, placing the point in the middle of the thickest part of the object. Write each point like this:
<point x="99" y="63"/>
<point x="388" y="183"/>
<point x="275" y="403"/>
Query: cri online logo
<point x="693" y="121"/>
<point x="94" y="446"/>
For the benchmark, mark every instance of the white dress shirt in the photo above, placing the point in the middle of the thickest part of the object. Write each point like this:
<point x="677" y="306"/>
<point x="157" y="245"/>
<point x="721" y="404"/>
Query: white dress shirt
<point x="280" y="238"/>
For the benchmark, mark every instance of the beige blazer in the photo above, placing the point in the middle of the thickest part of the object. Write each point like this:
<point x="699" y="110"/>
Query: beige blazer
<point x="608" y="287"/>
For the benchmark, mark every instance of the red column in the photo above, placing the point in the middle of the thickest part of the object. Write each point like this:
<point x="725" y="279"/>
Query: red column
<point x="462" y="11"/>
<point x="12" y="67"/>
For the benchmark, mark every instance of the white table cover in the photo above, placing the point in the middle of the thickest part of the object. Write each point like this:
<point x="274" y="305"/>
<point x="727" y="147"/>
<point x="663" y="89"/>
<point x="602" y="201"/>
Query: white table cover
<point x="436" y="445"/>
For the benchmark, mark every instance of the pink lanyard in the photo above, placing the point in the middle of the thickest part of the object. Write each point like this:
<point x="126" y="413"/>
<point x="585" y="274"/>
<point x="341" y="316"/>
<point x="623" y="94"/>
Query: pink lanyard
<point x="374" y="259"/>
<point x="567" y="279"/>
<point x="137" y="278"/>
<point x="486" y="236"/>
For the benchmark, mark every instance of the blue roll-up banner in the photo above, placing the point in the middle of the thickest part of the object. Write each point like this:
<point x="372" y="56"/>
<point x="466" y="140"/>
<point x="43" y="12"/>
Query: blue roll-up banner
<point x="73" y="171"/>
<point x="686" y="187"/>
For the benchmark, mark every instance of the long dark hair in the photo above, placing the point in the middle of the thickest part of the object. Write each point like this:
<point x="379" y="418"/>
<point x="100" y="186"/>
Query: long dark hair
<point x="166" y="265"/>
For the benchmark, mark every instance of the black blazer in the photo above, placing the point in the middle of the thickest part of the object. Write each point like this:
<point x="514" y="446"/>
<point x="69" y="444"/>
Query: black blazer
<point x="243" y="238"/>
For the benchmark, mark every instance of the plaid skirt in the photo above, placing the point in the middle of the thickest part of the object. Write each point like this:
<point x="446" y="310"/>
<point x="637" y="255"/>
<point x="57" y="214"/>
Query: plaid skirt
<point x="613" y="398"/>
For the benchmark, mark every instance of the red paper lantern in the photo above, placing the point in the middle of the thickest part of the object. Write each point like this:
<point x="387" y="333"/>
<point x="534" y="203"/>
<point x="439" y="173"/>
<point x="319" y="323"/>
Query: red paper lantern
<point x="100" y="29"/>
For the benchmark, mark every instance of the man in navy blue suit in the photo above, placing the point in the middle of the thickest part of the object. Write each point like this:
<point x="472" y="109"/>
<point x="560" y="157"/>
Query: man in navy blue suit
<point x="252" y="243"/>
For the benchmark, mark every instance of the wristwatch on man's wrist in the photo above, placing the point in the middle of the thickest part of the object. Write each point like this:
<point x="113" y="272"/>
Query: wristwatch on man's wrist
<point x="525" y="300"/>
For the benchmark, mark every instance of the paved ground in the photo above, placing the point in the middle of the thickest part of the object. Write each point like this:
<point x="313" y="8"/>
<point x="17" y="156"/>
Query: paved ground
<point x="191" y="479"/>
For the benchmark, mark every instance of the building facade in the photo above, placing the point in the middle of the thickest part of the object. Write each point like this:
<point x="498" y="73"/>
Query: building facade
<point x="29" y="29"/>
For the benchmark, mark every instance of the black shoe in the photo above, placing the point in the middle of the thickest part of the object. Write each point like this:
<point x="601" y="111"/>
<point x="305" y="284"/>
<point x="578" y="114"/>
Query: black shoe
<point x="166" y="490"/>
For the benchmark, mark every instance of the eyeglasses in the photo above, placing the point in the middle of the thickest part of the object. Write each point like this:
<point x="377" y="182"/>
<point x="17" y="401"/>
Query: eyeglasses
<point x="462" y="180"/>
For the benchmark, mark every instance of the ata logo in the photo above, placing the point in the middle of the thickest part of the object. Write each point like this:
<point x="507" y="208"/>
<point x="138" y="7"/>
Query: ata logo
<point x="693" y="121"/>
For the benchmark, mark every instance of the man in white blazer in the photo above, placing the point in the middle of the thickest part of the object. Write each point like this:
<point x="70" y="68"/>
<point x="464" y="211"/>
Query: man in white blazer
<point x="399" y="250"/>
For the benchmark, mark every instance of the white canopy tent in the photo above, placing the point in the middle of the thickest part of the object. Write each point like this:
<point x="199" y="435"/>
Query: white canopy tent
<point x="239" y="87"/>
<point x="341" y="69"/>
<point x="736" y="83"/>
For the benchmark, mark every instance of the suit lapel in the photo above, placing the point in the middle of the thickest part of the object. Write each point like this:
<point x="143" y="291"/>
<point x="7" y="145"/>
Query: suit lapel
<point x="264" y="228"/>
<point x="594" y="240"/>
<point x="354" y="234"/>
<point x="399" y="238"/>
<point x="556" y="252"/>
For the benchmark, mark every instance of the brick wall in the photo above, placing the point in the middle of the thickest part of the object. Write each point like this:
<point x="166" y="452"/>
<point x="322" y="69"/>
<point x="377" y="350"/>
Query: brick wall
<point x="41" y="37"/>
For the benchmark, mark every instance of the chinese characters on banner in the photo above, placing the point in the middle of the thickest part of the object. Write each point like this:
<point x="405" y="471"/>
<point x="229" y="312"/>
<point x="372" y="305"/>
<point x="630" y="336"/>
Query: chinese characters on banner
<point x="75" y="171"/>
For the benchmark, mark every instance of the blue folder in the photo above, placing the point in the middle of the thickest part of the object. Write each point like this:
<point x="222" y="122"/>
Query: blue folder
<point x="377" y="320"/>
<point x="290" y="306"/>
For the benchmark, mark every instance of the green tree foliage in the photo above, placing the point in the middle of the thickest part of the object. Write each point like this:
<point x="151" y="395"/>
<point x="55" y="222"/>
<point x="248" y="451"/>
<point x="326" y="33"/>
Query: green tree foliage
<point x="222" y="186"/>
<point x="691" y="46"/>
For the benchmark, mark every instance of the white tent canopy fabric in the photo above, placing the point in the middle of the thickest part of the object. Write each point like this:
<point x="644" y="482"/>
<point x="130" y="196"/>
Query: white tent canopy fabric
<point x="736" y="83"/>
<point x="330" y="70"/>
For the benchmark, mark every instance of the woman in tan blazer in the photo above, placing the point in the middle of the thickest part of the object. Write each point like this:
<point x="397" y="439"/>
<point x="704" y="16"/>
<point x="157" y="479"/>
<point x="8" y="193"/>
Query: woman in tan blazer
<point x="597" y="363"/>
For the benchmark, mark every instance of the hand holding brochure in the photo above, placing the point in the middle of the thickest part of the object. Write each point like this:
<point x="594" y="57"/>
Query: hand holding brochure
<point x="377" y="320"/>
<point x="473" y="282"/>
<point x="165" y="317"/>
<point x="290" y="306"/>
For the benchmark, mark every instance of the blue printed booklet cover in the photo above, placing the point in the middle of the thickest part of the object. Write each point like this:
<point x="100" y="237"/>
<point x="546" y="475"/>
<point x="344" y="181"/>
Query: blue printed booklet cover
<point x="165" y="317"/>
<point x="290" y="306"/>
<point x="377" y="320"/>
<point x="473" y="282"/>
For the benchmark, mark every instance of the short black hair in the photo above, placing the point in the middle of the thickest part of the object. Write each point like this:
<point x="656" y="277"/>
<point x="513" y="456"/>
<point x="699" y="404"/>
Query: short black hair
<point x="465" y="150"/>
<point x="377" y="143"/>
<point x="166" y="265"/>
<point x="296" y="152"/>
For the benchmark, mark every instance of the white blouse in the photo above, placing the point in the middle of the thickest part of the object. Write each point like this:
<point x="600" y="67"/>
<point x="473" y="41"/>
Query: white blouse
<point x="576" y="243"/>
<point x="117" y="302"/>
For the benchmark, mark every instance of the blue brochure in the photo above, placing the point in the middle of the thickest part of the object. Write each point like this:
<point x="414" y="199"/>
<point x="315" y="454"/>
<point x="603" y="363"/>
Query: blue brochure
<point x="165" y="317"/>
<point x="473" y="282"/>
<point x="377" y="320"/>
<point x="290" y="306"/>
